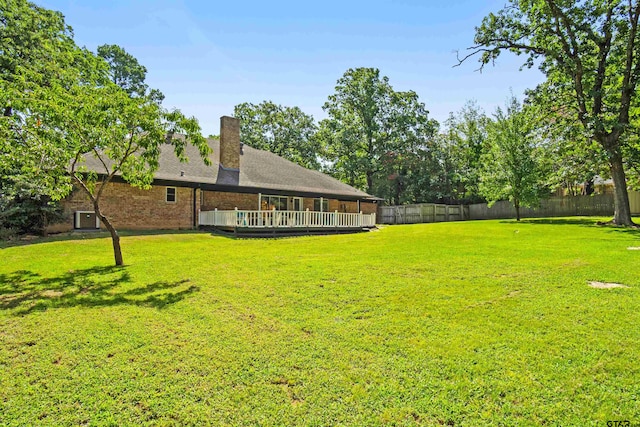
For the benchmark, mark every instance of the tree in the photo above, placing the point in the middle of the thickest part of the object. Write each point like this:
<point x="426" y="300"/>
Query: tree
<point x="127" y="72"/>
<point x="24" y="209"/>
<point x="368" y="124"/>
<point x="123" y="125"/>
<point x="38" y="61"/>
<point x="510" y="165"/>
<point x="64" y="106"/>
<point x="589" y="51"/>
<point x="285" y="131"/>
<point x="572" y="160"/>
<point x="461" y="147"/>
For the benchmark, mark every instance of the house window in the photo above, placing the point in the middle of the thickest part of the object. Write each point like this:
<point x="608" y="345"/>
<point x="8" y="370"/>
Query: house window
<point x="171" y="195"/>
<point x="269" y="203"/>
<point x="296" y="204"/>
<point x="321" y="205"/>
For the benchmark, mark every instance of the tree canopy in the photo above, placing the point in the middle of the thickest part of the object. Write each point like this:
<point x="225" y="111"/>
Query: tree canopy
<point x="285" y="131"/>
<point x="511" y="166"/>
<point x="63" y="103"/>
<point x="372" y="131"/>
<point x="589" y="51"/>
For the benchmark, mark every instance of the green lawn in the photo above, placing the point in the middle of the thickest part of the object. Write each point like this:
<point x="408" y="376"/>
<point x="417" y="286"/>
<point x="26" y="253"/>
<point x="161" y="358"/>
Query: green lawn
<point x="465" y="324"/>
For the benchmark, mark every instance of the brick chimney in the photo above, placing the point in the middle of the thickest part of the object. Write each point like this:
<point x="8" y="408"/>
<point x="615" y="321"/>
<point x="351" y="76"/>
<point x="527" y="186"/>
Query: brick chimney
<point x="229" y="142"/>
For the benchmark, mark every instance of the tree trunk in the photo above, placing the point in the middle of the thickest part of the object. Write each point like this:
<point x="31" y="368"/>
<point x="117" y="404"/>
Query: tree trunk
<point x="369" y="182"/>
<point x="398" y="190"/>
<point x="115" y="238"/>
<point x="516" y="203"/>
<point x="622" y="214"/>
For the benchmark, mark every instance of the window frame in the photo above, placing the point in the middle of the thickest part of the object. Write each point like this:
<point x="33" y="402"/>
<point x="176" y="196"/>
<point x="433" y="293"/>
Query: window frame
<point x="322" y="202"/>
<point x="300" y="200"/>
<point x="265" y="199"/>
<point x="175" y="195"/>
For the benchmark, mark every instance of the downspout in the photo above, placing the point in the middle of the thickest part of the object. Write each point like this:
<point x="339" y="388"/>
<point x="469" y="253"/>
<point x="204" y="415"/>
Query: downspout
<point x="195" y="213"/>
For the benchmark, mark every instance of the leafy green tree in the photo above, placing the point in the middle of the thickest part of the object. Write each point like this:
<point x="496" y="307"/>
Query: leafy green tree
<point x="510" y="166"/>
<point x="38" y="61"/>
<point x="572" y="160"/>
<point x="63" y="106"/>
<point x="126" y="72"/>
<point x="461" y="147"/>
<point x="23" y="208"/>
<point x="589" y="50"/>
<point x="370" y="123"/>
<point x="123" y="125"/>
<point x="285" y="131"/>
<point x="409" y="176"/>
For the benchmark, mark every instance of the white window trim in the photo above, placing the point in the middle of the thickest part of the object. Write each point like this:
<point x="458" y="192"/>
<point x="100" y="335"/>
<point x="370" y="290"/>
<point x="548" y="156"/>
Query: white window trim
<point x="293" y="201"/>
<point x="266" y="196"/>
<point x="166" y="194"/>
<point x="77" y="218"/>
<point x="322" y="199"/>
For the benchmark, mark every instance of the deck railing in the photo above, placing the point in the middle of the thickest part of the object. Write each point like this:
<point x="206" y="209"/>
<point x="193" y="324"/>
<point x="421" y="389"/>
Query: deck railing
<point x="286" y="219"/>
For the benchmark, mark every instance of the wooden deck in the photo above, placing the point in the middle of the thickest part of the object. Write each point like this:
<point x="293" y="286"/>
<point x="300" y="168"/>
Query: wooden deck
<point x="286" y="222"/>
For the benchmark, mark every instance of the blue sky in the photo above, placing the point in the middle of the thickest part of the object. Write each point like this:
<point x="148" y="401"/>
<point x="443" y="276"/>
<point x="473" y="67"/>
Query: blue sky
<point x="208" y="56"/>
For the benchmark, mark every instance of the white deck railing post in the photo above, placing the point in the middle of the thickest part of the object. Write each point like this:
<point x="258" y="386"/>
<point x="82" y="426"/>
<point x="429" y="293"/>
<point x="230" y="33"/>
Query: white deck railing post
<point x="286" y="219"/>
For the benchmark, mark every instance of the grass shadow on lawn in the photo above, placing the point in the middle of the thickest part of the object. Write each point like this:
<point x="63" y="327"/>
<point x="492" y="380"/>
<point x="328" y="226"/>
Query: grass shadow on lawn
<point x="555" y="221"/>
<point x="26" y="292"/>
<point x="582" y="221"/>
<point x="87" y="235"/>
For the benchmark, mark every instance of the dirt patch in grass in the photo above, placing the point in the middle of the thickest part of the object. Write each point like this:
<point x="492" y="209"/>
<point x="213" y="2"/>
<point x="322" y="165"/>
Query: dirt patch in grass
<point x="603" y="285"/>
<point x="51" y="294"/>
<point x="634" y="248"/>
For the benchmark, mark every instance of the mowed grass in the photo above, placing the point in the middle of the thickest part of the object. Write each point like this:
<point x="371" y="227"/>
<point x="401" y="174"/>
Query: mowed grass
<point x="465" y="324"/>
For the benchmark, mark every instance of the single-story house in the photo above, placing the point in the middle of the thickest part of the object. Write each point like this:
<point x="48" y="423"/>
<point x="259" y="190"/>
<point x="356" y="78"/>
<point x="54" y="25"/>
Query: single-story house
<point x="243" y="187"/>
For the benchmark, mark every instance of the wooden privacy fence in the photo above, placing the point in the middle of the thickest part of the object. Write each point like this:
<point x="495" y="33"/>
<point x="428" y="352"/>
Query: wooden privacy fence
<point x="424" y="212"/>
<point x="594" y="205"/>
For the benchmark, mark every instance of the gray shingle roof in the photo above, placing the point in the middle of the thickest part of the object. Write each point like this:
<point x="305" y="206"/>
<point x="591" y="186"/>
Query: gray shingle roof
<point x="260" y="170"/>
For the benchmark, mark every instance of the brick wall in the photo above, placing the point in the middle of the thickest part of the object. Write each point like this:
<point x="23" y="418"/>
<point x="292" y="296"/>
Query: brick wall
<point x="229" y="201"/>
<point x="132" y="208"/>
<point x="230" y="142"/>
<point x="136" y="209"/>
<point x="368" y="207"/>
